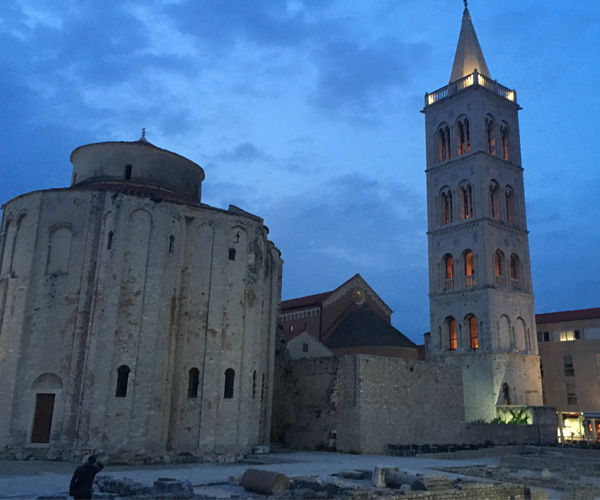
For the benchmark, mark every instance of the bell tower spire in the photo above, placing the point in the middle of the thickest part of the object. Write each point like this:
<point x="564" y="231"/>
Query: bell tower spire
<point x="469" y="56"/>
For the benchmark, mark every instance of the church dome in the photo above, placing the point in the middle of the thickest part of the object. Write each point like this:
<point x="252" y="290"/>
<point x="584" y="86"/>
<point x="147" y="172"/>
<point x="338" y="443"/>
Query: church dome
<point x="137" y="162"/>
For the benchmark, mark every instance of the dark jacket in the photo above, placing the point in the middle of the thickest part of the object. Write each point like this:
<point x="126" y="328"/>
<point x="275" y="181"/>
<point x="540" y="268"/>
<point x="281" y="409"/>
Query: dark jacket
<point x="83" y="478"/>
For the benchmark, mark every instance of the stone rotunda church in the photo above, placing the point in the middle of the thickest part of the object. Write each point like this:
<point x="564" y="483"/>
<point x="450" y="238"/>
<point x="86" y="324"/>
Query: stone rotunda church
<point x="134" y="320"/>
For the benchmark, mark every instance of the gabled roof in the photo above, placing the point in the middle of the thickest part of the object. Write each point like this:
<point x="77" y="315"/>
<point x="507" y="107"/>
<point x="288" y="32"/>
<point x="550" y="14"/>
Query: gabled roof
<point x="562" y="316"/>
<point x="362" y="327"/>
<point x="469" y="56"/>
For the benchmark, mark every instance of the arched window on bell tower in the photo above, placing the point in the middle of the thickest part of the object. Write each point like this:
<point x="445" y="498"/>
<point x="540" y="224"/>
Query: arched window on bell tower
<point x="443" y="143"/>
<point x="504" y="137"/>
<point x="499" y="267"/>
<point x="446" y="216"/>
<point x="466" y="201"/>
<point x="463" y="136"/>
<point x="469" y="268"/>
<point x="511" y="205"/>
<point x="471" y="321"/>
<point x="452" y="337"/>
<point x="448" y="262"/>
<point x="490" y="133"/>
<point x="495" y="199"/>
<point x="515" y="272"/>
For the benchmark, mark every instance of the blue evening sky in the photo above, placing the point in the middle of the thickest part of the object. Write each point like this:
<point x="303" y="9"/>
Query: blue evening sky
<point x="306" y="113"/>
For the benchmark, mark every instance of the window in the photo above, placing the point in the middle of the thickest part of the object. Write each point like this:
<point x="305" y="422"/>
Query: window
<point x="443" y="143"/>
<point x="466" y="201"/>
<point x="495" y="200"/>
<point x="543" y="336"/>
<point x="505" y="394"/>
<point x="232" y="254"/>
<point x="511" y="205"/>
<point x="569" y="336"/>
<point x="446" y="206"/>
<point x="254" y="385"/>
<point x="504" y="138"/>
<point x="515" y="272"/>
<point x="42" y="418"/>
<point x="229" y="381"/>
<point x="452" y="338"/>
<point x="305" y="347"/>
<point x="571" y="394"/>
<point x="473" y="339"/>
<point x="128" y="169"/>
<point x="490" y="131"/>
<point x="193" y="382"/>
<point x="463" y="136"/>
<point x="448" y="272"/>
<point x="59" y="251"/>
<point x="499" y="267"/>
<point x="469" y="261"/>
<point x="262" y="387"/>
<point x="171" y="243"/>
<point x="122" y="380"/>
<point x="568" y="364"/>
<point x="109" y="240"/>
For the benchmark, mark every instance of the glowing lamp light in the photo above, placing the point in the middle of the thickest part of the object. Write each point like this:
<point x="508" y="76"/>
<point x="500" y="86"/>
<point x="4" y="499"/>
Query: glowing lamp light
<point x="511" y="96"/>
<point x="480" y="80"/>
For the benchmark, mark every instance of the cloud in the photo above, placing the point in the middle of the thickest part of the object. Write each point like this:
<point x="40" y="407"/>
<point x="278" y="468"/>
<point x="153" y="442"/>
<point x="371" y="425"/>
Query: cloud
<point x="243" y="152"/>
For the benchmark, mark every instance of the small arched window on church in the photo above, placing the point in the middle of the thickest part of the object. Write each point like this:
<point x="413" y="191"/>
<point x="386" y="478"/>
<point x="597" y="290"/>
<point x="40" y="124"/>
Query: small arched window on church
<point x="443" y="143"/>
<point x="59" y="251"/>
<point x="490" y="133"/>
<point x="122" y="381"/>
<point x="473" y="337"/>
<point x="254" y="384"/>
<point x="466" y="201"/>
<point x="469" y="267"/>
<point x="511" y="205"/>
<point x="446" y="206"/>
<point x="229" y="383"/>
<point x="505" y="394"/>
<point x="448" y="272"/>
<point x="193" y="382"/>
<point x="452" y="338"/>
<point x="128" y="169"/>
<point x="171" y="243"/>
<point x="109" y="240"/>
<point x="232" y="254"/>
<point x="504" y="136"/>
<point x="515" y="272"/>
<point x="499" y="267"/>
<point x="495" y="199"/>
<point x="463" y="136"/>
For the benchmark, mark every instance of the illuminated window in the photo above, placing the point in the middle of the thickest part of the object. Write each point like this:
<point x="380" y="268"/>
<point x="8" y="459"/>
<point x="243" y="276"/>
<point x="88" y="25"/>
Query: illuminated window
<point x="446" y="205"/>
<point x="448" y="272"/>
<point x="490" y="131"/>
<point x="291" y="328"/>
<point x="515" y="272"/>
<point x="452" y="338"/>
<point x="543" y="336"/>
<point x="499" y="267"/>
<point x="571" y="394"/>
<point x="568" y="365"/>
<point x="463" y="136"/>
<point x="466" y="201"/>
<point x="511" y="205"/>
<point x="469" y="266"/>
<point x="495" y="199"/>
<point x="473" y="338"/>
<point x="505" y="143"/>
<point x="193" y="382"/>
<point x="443" y="139"/>
<point x="569" y="335"/>
<point x="229" y="381"/>
<point x="122" y="381"/>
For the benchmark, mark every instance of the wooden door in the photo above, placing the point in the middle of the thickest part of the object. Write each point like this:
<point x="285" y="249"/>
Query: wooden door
<point x="42" y="418"/>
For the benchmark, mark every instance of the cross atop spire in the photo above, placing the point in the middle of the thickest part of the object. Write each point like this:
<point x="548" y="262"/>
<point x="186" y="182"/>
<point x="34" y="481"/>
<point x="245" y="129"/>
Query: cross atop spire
<point x="469" y="56"/>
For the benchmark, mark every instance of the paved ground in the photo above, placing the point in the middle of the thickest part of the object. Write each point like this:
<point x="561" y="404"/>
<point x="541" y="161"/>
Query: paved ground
<point x="27" y="480"/>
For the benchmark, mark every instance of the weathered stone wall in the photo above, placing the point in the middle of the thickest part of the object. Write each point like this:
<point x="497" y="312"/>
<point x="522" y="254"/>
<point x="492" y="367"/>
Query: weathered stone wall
<point x="368" y="402"/>
<point x="94" y="279"/>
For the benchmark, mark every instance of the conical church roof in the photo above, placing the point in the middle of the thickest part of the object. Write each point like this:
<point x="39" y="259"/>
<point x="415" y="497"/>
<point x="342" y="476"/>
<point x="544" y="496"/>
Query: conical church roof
<point x="469" y="56"/>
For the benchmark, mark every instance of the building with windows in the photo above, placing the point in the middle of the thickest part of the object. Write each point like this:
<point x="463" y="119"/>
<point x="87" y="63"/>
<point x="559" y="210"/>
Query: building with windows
<point x="481" y="301"/>
<point x="135" y="321"/>
<point x="352" y="319"/>
<point x="569" y="347"/>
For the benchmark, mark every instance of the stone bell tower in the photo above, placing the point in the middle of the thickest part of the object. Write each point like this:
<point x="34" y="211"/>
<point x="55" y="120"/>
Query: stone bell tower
<point x="481" y="302"/>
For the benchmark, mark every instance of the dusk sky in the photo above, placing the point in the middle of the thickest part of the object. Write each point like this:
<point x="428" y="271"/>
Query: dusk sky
<point x="307" y="113"/>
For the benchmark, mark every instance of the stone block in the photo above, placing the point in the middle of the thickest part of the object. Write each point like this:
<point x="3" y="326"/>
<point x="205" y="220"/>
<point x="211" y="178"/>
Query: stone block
<point x="379" y="474"/>
<point x="173" y="488"/>
<point x="261" y="449"/>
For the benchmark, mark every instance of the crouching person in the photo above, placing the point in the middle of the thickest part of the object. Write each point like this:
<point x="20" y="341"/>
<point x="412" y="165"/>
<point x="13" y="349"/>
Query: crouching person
<point x="83" y="479"/>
